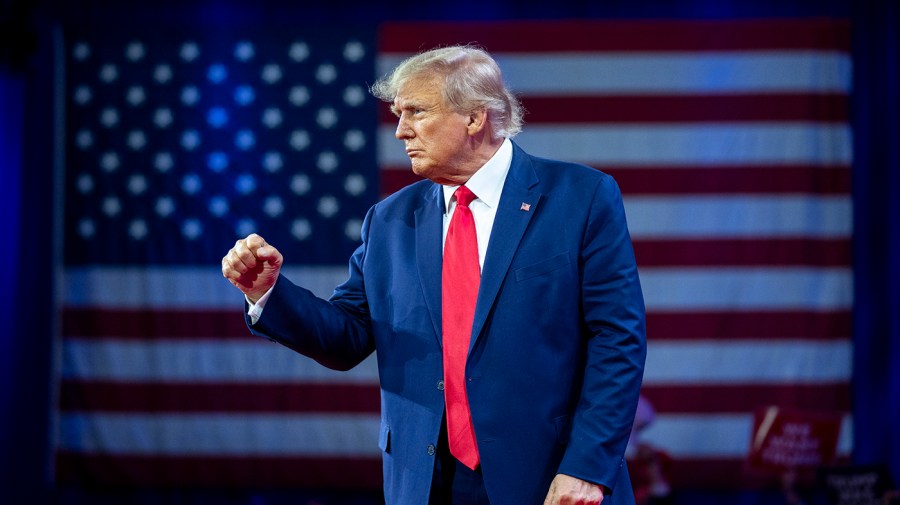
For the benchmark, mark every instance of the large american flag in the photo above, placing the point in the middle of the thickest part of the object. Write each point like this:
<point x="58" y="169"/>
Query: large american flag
<point x="730" y="141"/>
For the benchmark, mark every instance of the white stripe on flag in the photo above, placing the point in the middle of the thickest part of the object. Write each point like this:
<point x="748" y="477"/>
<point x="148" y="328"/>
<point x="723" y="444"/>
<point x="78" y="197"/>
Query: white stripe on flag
<point x="349" y="435"/>
<point x="201" y="361"/>
<point x="716" y="436"/>
<point x="712" y="288"/>
<point x="216" y="434"/>
<point x="589" y="73"/>
<point x="747" y="362"/>
<point x="176" y="287"/>
<point x="741" y="288"/>
<point x="739" y="216"/>
<point x="648" y="144"/>
<point x="668" y="362"/>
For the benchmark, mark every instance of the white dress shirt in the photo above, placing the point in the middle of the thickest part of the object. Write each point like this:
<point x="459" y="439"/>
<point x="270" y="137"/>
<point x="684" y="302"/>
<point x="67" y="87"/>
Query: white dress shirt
<point x="486" y="184"/>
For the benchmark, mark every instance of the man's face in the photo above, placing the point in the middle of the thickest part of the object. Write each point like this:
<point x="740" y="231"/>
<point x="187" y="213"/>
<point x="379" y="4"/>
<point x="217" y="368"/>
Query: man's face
<point x="435" y="136"/>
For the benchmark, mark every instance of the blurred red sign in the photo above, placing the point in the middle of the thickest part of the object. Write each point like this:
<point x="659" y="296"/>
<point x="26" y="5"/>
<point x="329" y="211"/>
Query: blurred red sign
<point x="785" y="439"/>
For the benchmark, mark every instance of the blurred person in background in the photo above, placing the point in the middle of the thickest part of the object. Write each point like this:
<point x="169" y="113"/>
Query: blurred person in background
<point x="649" y="465"/>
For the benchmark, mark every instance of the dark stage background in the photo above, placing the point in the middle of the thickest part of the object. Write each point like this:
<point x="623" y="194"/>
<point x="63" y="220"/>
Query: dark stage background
<point x="35" y="223"/>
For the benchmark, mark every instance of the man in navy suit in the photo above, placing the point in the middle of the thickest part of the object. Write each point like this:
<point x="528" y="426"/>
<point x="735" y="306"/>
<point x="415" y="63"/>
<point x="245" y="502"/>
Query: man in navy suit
<point x="534" y="404"/>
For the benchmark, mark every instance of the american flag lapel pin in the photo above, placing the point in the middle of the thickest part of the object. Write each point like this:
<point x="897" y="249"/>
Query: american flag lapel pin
<point x="525" y="206"/>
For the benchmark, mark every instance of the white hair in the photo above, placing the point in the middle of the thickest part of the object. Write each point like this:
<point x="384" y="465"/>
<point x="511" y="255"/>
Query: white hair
<point x="472" y="80"/>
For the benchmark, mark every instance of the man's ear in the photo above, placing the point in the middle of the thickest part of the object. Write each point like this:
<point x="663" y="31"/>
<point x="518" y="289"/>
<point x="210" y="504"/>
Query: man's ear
<point x="477" y="121"/>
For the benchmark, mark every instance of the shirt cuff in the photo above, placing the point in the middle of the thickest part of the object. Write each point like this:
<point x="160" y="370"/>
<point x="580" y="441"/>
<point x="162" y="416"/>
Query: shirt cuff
<point x="256" y="309"/>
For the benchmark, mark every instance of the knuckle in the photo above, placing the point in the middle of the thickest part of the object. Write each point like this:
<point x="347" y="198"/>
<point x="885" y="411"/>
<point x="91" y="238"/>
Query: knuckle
<point x="241" y="251"/>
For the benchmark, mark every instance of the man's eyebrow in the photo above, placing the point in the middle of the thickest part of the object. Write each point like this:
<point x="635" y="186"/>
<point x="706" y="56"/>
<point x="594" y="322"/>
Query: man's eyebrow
<point x="405" y="105"/>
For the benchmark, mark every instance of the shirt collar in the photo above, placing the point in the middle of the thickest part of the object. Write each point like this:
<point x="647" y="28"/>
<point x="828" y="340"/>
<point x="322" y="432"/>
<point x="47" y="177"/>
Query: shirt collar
<point x="487" y="181"/>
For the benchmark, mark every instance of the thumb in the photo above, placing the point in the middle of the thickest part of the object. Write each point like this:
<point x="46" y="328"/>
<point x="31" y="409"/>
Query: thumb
<point x="269" y="254"/>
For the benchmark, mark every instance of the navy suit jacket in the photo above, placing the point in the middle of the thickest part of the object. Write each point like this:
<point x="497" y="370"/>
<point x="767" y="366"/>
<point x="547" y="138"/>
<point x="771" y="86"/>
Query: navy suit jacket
<point x="558" y="342"/>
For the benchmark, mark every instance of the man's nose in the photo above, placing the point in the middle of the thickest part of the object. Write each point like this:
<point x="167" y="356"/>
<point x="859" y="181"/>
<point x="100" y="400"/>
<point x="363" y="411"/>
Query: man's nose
<point x="403" y="130"/>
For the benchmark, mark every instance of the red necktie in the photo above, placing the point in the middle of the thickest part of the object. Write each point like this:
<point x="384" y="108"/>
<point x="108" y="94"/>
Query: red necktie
<point x="461" y="276"/>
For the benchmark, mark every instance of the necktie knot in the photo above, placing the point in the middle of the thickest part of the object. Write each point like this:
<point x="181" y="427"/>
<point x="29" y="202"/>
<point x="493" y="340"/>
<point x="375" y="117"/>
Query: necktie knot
<point x="464" y="196"/>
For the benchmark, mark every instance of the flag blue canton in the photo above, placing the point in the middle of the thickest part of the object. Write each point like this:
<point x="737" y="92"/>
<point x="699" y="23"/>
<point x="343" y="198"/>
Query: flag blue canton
<point x="177" y="145"/>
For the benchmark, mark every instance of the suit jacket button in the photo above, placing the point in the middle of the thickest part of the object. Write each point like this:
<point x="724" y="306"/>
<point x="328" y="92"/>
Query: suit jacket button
<point x="440" y="385"/>
<point x="430" y="449"/>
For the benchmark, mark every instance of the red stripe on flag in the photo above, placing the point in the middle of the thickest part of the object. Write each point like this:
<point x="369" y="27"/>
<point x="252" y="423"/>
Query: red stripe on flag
<point x="741" y="398"/>
<point x="662" y="325"/>
<point x="105" y="396"/>
<point x="829" y="108"/>
<point x="393" y="179"/>
<point x="728" y="325"/>
<point x="743" y="252"/>
<point x="98" y="396"/>
<point x="129" y="471"/>
<point x="146" y="323"/>
<point x="826" y="180"/>
<point x="731" y="473"/>
<point x="685" y="109"/>
<point x="619" y="35"/>
<point x="257" y="472"/>
<point x="718" y="473"/>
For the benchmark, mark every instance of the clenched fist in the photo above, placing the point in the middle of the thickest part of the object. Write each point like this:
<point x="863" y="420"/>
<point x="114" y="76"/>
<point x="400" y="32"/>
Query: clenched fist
<point x="252" y="266"/>
<point x="566" y="490"/>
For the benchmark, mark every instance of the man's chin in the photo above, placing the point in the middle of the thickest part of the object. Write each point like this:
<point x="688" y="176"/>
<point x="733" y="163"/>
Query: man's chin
<point x="420" y="169"/>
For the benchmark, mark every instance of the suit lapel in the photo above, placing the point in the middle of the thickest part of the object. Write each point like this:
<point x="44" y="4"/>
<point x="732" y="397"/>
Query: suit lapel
<point x="429" y="253"/>
<point x="518" y="203"/>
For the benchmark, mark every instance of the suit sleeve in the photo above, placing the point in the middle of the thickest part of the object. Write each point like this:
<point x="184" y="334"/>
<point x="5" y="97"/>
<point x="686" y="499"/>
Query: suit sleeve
<point x="335" y="332"/>
<point x="613" y="311"/>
